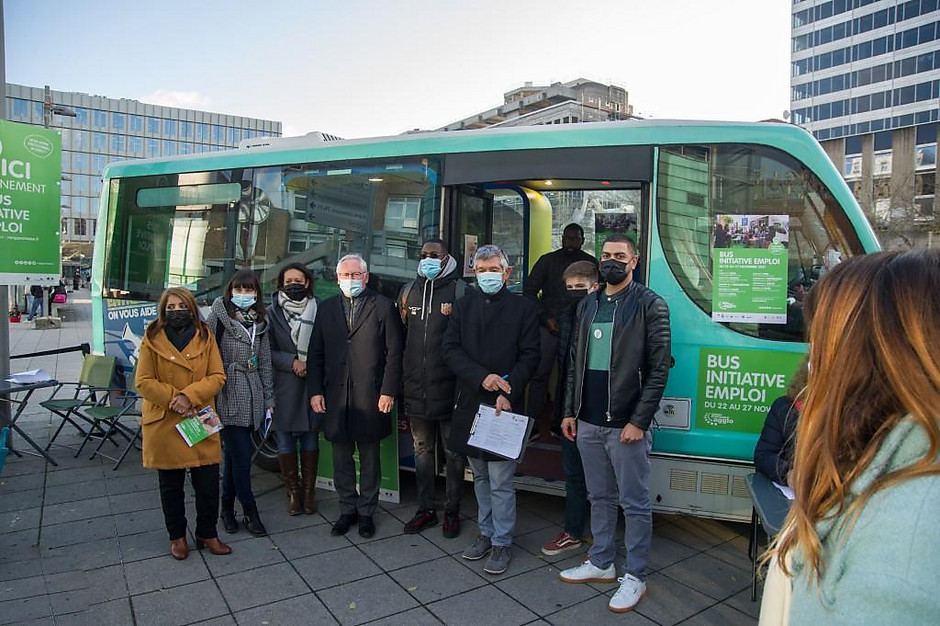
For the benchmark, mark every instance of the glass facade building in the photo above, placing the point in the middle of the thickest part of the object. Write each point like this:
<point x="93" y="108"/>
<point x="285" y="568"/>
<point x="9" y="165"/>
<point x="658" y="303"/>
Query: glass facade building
<point x="865" y="80"/>
<point x="104" y="130"/>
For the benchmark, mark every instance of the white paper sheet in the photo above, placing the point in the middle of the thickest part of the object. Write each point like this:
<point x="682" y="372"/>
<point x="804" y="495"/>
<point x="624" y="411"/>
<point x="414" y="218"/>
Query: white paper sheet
<point x="30" y="376"/>
<point x="785" y="491"/>
<point x="504" y="434"/>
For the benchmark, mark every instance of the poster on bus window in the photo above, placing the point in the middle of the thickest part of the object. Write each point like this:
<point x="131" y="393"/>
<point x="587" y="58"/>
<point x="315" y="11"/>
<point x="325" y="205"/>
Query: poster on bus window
<point x="607" y="224"/>
<point x="749" y="263"/>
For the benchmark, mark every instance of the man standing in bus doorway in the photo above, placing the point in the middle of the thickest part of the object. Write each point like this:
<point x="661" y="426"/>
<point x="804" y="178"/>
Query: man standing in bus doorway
<point x="492" y="345"/>
<point x="547" y="288"/>
<point x="428" y="387"/>
<point x="619" y="365"/>
<point x="353" y="375"/>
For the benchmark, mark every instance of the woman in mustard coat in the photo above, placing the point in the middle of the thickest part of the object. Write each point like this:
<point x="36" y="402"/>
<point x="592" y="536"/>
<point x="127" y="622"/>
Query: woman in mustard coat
<point x="179" y="371"/>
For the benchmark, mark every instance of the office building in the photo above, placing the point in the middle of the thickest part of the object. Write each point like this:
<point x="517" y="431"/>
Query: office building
<point x="579" y="100"/>
<point x="97" y="130"/>
<point x="865" y="80"/>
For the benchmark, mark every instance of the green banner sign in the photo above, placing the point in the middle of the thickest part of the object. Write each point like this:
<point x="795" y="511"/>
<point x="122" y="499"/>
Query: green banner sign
<point x="389" y="491"/>
<point x="30" y="174"/>
<point x="736" y="387"/>
<point x="750" y="285"/>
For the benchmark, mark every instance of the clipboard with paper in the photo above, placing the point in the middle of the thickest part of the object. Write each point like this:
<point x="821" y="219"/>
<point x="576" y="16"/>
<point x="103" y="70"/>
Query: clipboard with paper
<point x="503" y="435"/>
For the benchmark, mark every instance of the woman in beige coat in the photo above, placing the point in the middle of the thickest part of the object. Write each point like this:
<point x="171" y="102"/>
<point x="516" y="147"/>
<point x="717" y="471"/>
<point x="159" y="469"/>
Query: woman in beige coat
<point x="179" y="371"/>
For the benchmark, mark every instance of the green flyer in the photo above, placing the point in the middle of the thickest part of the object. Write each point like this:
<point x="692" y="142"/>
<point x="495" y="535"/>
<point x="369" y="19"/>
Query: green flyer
<point x="30" y="175"/>
<point x="736" y="386"/>
<point x="749" y="261"/>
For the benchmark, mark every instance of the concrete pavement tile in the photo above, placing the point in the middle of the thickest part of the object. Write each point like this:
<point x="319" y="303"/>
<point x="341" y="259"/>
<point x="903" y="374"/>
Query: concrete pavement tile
<point x="130" y="502"/>
<point x="16" y="500"/>
<point x="81" y="556"/>
<point x="532" y="543"/>
<point x="111" y="577"/>
<point x="18" y="546"/>
<point x="144" y="545"/>
<point x="225" y="620"/>
<point x="733" y="552"/>
<point x="403" y="513"/>
<point x="669" y="602"/>
<point x="140" y="521"/>
<point x="80" y="531"/>
<point x="28" y="465"/>
<point x="111" y="613"/>
<point x="665" y="552"/>
<point x="468" y="534"/>
<point x="386" y="525"/>
<point x="527" y="522"/>
<point x="164" y="572"/>
<point x="541" y="590"/>
<point x="138" y="483"/>
<point x="709" y="532"/>
<point x="742" y="601"/>
<point x="720" y="615"/>
<point x="260" y="586"/>
<point x="521" y="562"/>
<point x="306" y="541"/>
<point x="26" y="587"/>
<point x="14" y="570"/>
<point x="485" y="605"/>
<point x="24" y="482"/>
<point x="24" y="609"/>
<point x="401" y="551"/>
<point x="596" y="613"/>
<point x="255" y="552"/>
<point x="710" y="576"/>
<point x="305" y="609"/>
<point x="436" y="580"/>
<point x="276" y="518"/>
<point x="22" y="519"/>
<point x="366" y="600"/>
<point x="179" y="605"/>
<point x="414" y="617"/>
<point x="335" y="568"/>
<point x="74" y="475"/>
<point x="70" y="493"/>
<point x="78" y="510"/>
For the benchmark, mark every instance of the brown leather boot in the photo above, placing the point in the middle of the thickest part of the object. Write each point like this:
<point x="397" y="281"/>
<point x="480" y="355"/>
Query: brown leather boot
<point x="308" y="467"/>
<point x="179" y="549"/>
<point x="214" y="545"/>
<point x="288" y="464"/>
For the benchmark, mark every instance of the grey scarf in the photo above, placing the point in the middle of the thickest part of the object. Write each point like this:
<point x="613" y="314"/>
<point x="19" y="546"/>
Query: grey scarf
<point x="300" y="316"/>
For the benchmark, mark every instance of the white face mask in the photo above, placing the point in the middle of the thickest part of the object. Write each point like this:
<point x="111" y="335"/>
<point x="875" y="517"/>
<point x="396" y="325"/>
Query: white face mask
<point x="351" y="287"/>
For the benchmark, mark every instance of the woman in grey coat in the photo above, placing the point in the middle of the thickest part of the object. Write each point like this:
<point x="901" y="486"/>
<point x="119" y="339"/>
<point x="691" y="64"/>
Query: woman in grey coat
<point x="238" y="322"/>
<point x="290" y="318"/>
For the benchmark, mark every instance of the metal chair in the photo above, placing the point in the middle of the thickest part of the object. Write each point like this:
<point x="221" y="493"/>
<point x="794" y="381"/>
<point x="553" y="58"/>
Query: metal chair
<point x="111" y="416"/>
<point x="92" y="389"/>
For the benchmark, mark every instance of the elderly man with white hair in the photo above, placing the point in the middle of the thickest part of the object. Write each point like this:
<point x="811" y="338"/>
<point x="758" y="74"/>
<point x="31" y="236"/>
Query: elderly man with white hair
<point x="492" y="346"/>
<point x="353" y="375"/>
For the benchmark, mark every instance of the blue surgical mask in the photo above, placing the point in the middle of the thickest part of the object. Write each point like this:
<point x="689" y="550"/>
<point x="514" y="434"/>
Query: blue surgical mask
<point x="429" y="268"/>
<point x="350" y="287"/>
<point x="243" y="301"/>
<point x="490" y="282"/>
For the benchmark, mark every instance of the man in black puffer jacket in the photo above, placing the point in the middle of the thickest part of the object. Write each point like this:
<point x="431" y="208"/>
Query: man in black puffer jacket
<point x="426" y="304"/>
<point x="618" y="369"/>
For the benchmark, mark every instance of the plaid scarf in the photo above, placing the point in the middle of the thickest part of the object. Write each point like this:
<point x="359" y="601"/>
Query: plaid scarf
<point x="300" y="316"/>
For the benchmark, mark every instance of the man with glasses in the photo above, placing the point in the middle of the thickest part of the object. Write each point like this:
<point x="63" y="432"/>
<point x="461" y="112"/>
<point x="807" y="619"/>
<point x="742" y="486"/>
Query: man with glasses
<point x="618" y="368"/>
<point x="353" y="374"/>
<point x="492" y="345"/>
<point x="428" y="389"/>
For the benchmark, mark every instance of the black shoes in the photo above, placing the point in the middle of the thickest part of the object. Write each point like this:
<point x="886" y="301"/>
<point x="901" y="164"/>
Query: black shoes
<point x="366" y="527"/>
<point x="227" y="515"/>
<point x="422" y="519"/>
<point x="344" y="523"/>
<point x="451" y="524"/>
<point x="252" y="521"/>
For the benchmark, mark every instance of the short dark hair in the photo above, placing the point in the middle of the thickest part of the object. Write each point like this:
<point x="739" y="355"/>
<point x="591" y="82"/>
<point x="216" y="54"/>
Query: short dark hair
<point x="244" y="278"/>
<point x="574" y="226"/>
<point x="580" y="269"/>
<point x="438" y="241"/>
<point x="621" y="238"/>
<point x="303" y="269"/>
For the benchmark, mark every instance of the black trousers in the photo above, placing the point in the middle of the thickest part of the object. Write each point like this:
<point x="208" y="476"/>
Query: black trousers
<point x="205" y="480"/>
<point x="366" y="499"/>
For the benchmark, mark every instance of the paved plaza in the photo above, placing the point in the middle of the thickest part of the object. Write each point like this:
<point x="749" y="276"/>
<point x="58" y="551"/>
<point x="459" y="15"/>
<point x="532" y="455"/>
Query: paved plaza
<point x="82" y="544"/>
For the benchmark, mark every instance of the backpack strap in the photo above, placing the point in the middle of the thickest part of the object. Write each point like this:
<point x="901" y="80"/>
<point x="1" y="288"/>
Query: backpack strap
<point x="405" y="294"/>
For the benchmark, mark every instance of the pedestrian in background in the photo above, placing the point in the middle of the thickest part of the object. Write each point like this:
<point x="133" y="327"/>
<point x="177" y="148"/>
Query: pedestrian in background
<point x="291" y="317"/>
<point x="237" y="319"/>
<point x="773" y="454"/>
<point x="35" y="305"/>
<point x="861" y="538"/>
<point x="179" y="371"/>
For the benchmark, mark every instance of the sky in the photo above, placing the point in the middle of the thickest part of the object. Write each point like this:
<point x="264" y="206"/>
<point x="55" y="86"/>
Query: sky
<point x="360" y="68"/>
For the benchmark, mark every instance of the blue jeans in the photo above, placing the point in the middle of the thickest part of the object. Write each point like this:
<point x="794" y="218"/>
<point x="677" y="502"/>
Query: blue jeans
<point x="576" y="497"/>
<point x="496" y="499"/>
<point x="236" y="465"/>
<point x="35" y="307"/>
<point x="287" y="441"/>
<point x="617" y="475"/>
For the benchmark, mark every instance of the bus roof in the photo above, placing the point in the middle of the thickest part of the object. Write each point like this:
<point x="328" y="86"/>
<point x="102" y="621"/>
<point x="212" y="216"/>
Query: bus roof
<point x="312" y="148"/>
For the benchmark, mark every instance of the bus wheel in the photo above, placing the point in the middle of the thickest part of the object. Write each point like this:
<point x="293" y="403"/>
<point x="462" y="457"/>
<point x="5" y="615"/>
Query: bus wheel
<point x="265" y="452"/>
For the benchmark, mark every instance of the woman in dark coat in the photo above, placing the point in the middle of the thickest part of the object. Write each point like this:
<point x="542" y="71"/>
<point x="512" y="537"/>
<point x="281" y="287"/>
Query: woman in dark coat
<point x="290" y="318"/>
<point x="773" y="456"/>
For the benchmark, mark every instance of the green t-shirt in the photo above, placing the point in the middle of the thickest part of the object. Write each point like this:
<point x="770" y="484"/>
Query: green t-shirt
<point x="601" y="334"/>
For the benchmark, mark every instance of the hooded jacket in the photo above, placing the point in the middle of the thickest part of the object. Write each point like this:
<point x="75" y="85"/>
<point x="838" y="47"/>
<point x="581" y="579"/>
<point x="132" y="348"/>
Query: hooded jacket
<point x="426" y="306"/>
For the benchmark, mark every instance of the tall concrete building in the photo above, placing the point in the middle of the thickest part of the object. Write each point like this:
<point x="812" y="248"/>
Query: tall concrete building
<point x="579" y="100"/>
<point x="97" y="130"/>
<point x="865" y="80"/>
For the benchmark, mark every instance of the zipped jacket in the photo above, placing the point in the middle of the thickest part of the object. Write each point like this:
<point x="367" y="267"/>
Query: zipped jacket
<point x="640" y="356"/>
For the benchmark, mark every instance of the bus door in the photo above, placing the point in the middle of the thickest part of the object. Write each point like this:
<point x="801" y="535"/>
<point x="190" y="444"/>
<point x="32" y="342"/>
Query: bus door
<point x="468" y="223"/>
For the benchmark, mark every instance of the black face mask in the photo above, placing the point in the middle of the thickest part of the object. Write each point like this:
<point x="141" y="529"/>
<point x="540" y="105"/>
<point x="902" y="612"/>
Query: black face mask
<point x="576" y="295"/>
<point x="613" y="272"/>
<point x="295" y="291"/>
<point x="178" y="320"/>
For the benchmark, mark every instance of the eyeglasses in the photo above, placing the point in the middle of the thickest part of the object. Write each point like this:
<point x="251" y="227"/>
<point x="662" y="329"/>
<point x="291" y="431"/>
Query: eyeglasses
<point x="354" y="275"/>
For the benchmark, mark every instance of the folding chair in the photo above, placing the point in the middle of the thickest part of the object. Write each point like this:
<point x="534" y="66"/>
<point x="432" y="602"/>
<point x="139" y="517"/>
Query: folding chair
<point x="92" y="389"/>
<point x="111" y="416"/>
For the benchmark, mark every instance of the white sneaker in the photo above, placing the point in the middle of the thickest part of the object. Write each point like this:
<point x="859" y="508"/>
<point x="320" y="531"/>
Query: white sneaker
<point x="631" y="591"/>
<point x="587" y="572"/>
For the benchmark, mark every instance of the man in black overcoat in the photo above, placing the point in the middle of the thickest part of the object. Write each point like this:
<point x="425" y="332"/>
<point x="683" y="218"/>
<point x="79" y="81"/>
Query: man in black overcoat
<point x="492" y="345"/>
<point x="353" y="375"/>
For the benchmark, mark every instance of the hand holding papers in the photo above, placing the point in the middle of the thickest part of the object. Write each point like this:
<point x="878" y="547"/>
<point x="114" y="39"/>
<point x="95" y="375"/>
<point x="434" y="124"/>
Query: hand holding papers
<point x="503" y="435"/>
<point x="197" y="427"/>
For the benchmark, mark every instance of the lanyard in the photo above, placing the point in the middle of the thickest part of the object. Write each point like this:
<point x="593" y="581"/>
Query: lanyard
<point x="251" y="335"/>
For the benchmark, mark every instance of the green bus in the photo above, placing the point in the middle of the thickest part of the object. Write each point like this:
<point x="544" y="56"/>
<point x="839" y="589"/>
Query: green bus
<point x="734" y="223"/>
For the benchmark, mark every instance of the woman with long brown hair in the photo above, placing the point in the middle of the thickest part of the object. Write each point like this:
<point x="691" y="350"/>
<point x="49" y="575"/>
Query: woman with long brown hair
<point x="179" y="371"/>
<point x="863" y="536"/>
